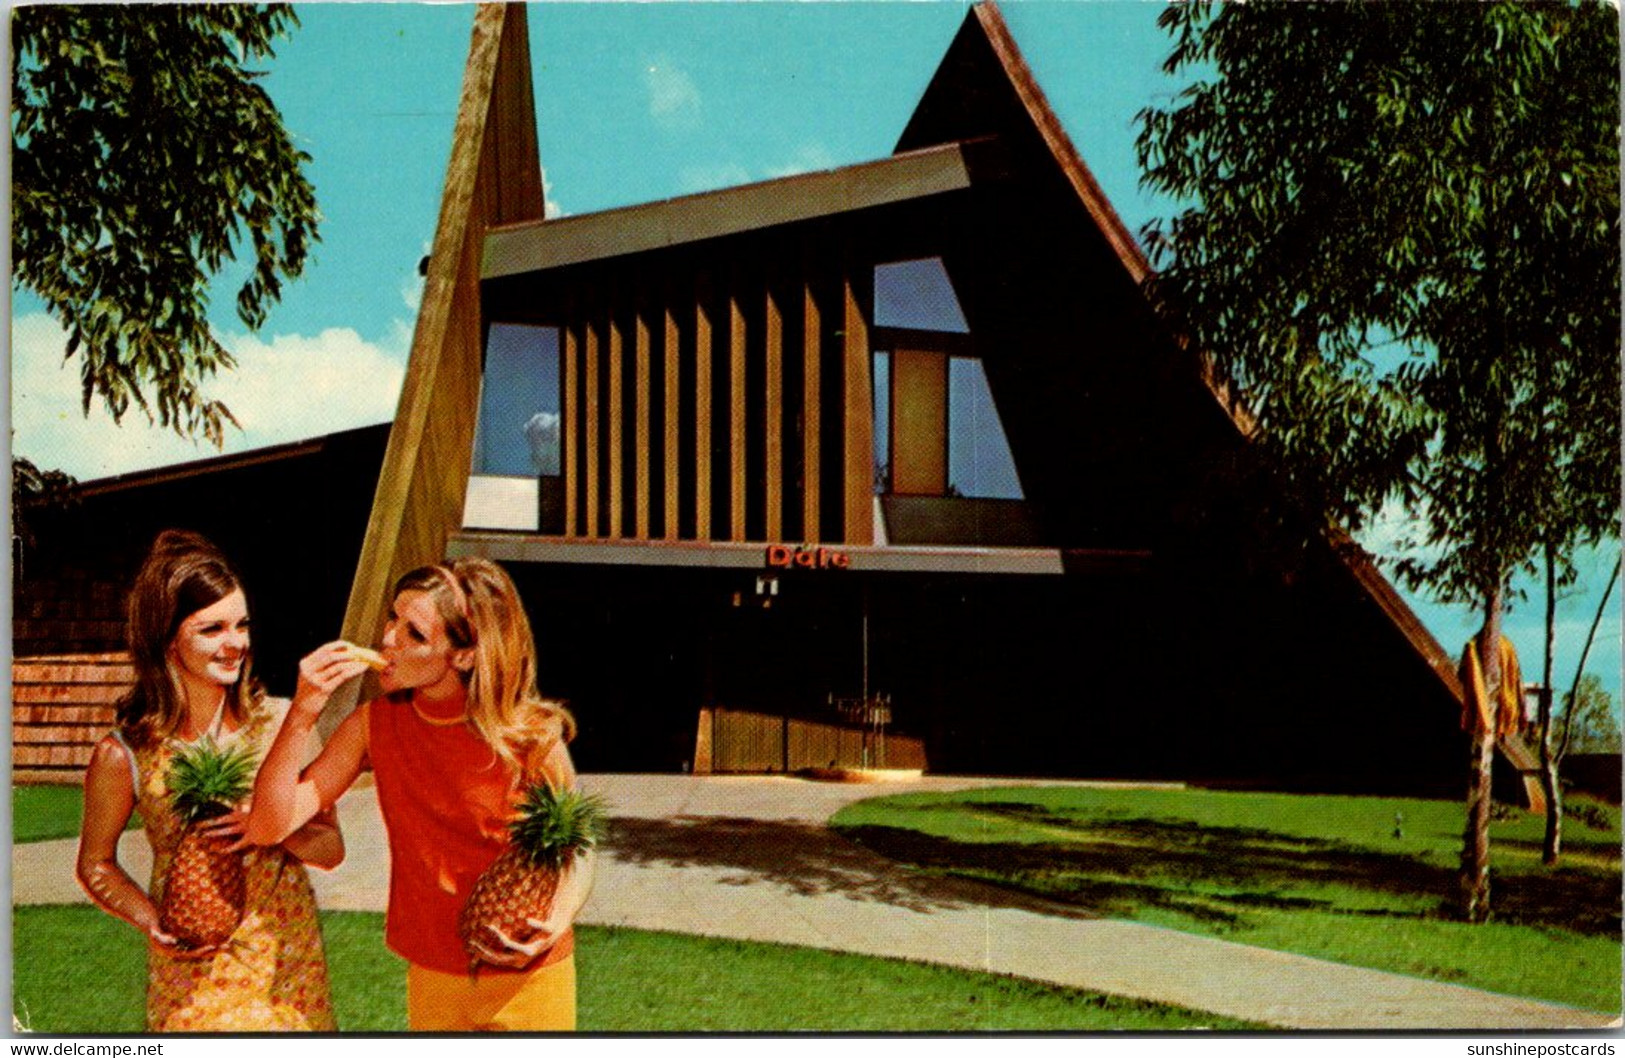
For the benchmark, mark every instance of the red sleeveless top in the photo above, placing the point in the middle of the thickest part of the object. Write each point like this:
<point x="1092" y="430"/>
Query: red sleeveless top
<point x="446" y="798"/>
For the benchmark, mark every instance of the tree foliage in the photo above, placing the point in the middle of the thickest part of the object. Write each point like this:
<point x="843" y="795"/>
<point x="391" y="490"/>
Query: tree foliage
<point x="1399" y="236"/>
<point x="145" y="156"/>
<point x="1593" y="725"/>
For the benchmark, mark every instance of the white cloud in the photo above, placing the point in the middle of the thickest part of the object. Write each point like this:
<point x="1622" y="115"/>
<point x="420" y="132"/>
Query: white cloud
<point x="808" y="158"/>
<point x="674" y="99"/>
<point x="693" y="179"/>
<point x="284" y="389"/>
<point x="550" y="206"/>
<point x="412" y="292"/>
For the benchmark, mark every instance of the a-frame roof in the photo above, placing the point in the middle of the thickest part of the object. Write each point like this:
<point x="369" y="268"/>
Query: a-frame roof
<point x="984" y="88"/>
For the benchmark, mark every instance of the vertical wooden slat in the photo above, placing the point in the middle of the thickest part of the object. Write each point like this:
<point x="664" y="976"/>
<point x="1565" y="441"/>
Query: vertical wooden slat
<point x="811" y="337"/>
<point x="857" y="413"/>
<point x="736" y="408"/>
<point x="774" y="383"/>
<point x="570" y="431"/>
<point x="614" y="356"/>
<point x="702" y="409"/>
<point x="641" y="429"/>
<point x="590" y="399"/>
<point x="673" y="401"/>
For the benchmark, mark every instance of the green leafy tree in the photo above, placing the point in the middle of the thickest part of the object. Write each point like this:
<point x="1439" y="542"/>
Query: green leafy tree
<point x="1591" y="718"/>
<point x="145" y="156"/>
<point x="35" y="493"/>
<point x="1398" y="236"/>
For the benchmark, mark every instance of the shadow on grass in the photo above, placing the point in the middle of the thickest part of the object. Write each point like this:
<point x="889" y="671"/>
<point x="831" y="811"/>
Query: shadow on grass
<point x="1214" y="874"/>
<point x="806" y="859"/>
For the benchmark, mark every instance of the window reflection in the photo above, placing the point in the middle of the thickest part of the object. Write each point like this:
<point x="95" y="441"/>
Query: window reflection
<point x="917" y="295"/>
<point x="518" y="433"/>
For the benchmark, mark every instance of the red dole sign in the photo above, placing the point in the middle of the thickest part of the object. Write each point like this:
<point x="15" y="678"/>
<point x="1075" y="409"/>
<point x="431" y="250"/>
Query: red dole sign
<point x="783" y="556"/>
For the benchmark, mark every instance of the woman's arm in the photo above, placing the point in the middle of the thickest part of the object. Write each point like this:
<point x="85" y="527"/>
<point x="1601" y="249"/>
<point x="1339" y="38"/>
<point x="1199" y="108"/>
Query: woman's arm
<point x="109" y="802"/>
<point x="320" y="842"/>
<point x="286" y="797"/>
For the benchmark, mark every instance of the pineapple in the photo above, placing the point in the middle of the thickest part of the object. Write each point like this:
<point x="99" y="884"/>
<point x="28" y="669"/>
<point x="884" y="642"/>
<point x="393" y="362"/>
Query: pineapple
<point x="550" y="830"/>
<point x="207" y="887"/>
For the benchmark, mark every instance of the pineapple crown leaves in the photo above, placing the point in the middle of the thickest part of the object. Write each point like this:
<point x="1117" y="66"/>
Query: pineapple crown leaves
<point x="554" y="826"/>
<point x="205" y="780"/>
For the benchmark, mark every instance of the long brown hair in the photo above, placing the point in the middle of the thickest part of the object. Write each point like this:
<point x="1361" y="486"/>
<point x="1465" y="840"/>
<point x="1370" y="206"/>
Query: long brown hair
<point x="480" y="607"/>
<point x="182" y="574"/>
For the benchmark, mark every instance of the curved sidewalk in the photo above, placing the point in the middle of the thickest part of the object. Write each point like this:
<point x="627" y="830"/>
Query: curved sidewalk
<point x="749" y="858"/>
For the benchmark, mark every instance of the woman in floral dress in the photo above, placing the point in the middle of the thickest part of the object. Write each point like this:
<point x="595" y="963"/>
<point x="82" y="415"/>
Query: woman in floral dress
<point x="188" y="635"/>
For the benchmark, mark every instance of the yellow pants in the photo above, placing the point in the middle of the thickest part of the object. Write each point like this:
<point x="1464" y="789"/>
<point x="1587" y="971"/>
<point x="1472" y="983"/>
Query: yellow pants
<point x="543" y="1000"/>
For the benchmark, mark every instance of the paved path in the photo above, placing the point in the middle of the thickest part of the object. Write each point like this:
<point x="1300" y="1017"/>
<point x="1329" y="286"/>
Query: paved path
<point x="749" y="858"/>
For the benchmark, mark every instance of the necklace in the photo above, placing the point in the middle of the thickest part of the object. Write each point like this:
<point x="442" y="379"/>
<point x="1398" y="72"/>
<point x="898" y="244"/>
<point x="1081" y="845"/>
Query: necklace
<point x="438" y="721"/>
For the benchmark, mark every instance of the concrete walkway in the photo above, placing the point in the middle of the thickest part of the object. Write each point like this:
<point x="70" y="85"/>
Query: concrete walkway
<point x="749" y="858"/>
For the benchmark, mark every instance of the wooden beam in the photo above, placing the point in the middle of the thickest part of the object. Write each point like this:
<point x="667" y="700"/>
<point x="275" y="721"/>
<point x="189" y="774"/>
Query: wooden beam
<point x="592" y="401"/>
<point x="616" y="413"/>
<point x="811" y="339"/>
<point x="640" y="433"/>
<point x="419" y="499"/>
<point x="570" y="430"/>
<point x="857" y="411"/>
<point x="702" y="409"/>
<point x="736" y="408"/>
<point x="673" y="403"/>
<point x="773" y="382"/>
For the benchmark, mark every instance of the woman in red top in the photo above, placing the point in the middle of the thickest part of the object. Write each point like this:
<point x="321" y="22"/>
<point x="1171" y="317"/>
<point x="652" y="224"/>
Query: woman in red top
<point x="458" y="730"/>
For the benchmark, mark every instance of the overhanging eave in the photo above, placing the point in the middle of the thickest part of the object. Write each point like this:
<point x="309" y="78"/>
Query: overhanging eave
<point x="536" y="246"/>
<point x="1017" y="561"/>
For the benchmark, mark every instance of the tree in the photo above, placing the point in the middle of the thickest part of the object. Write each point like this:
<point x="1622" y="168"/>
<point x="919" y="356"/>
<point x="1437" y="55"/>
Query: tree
<point x="144" y="152"/>
<point x="34" y="492"/>
<point x="1552" y="751"/>
<point x="1590" y="716"/>
<point x="1398" y="236"/>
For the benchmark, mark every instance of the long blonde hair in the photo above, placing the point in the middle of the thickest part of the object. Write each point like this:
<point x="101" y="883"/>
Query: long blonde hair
<point x="182" y="574"/>
<point x="480" y="607"/>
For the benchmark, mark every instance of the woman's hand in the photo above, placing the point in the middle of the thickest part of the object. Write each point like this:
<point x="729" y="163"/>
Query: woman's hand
<point x="173" y="948"/>
<point x="230" y="828"/>
<point x="505" y="951"/>
<point x="321" y="672"/>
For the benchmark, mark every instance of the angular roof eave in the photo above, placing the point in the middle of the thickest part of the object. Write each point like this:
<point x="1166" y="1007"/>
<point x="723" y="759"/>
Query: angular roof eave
<point x="534" y="246"/>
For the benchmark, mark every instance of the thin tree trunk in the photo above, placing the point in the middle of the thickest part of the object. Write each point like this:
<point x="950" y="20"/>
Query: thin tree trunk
<point x="1552" y="845"/>
<point x="1579" y="668"/>
<point x="1475" y="850"/>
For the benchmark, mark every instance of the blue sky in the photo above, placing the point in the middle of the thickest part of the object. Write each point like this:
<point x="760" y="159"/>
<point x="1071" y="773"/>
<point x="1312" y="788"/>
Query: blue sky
<point x="635" y="102"/>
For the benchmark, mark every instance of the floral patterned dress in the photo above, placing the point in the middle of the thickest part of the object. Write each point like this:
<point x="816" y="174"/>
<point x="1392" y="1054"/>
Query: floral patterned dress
<point x="271" y="975"/>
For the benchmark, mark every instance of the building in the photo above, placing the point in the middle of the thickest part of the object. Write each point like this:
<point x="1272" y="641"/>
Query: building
<point x="888" y="465"/>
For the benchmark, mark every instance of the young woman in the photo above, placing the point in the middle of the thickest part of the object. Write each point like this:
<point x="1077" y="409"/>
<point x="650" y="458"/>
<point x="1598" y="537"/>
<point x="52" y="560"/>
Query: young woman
<point x="189" y="640"/>
<point x="459" y="731"/>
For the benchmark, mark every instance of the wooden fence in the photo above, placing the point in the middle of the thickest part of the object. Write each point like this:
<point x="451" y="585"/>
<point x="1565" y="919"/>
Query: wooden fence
<point x="739" y="740"/>
<point x="61" y="705"/>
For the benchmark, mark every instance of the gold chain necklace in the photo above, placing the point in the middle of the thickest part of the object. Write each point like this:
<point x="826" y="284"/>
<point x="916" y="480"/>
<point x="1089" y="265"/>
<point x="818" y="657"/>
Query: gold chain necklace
<point x="437" y="721"/>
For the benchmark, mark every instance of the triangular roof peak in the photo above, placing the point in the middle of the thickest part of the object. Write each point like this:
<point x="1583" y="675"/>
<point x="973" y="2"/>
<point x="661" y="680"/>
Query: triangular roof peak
<point x="983" y="87"/>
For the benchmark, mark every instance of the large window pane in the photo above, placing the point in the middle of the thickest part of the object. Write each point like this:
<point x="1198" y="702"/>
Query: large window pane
<point x="518" y="433"/>
<point x="882" y="390"/>
<point x="917" y="295"/>
<point x="979" y="460"/>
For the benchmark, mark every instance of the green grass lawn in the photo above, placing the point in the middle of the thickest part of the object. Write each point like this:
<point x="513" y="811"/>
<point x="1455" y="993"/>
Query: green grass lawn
<point x="75" y="970"/>
<point x="1362" y="880"/>
<point x="41" y="813"/>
